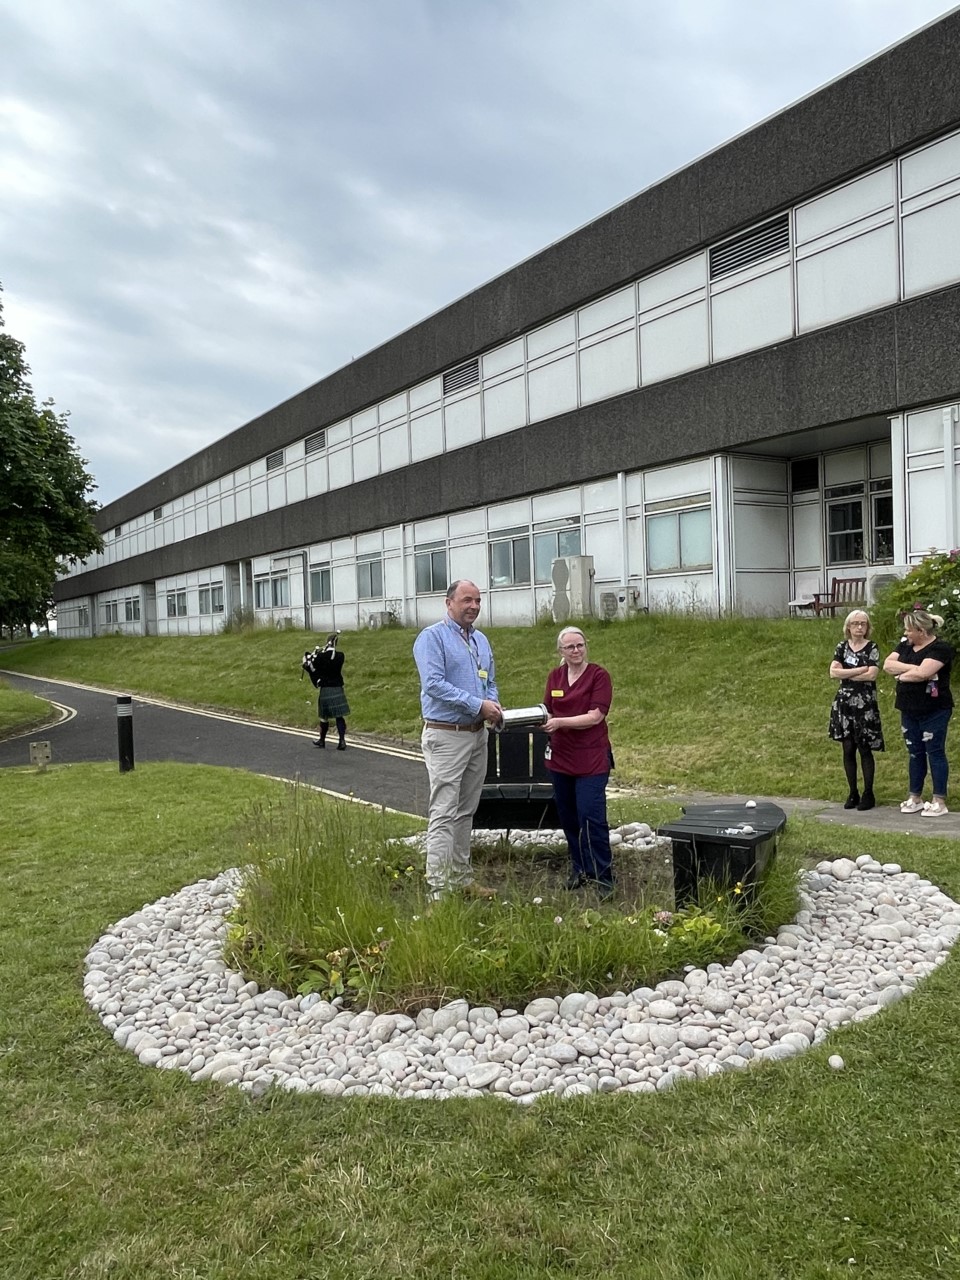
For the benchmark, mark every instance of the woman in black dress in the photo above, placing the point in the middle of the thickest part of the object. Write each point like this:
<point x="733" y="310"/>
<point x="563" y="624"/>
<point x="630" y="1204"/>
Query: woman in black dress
<point x="325" y="669"/>
<point x="855" y="714"/>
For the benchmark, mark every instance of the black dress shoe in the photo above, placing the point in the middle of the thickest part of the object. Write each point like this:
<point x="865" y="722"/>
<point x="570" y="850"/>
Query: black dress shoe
<point x="867" y="801"/>
<point x="319" y="742"/>
<point x="341" y="745"/>
<point x="575" y="880"/>
<point x="852" y="800"/>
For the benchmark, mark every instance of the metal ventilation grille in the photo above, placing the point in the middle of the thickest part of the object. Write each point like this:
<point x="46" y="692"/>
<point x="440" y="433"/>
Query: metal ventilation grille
<point x="158" y="513"/>
<point x="753" y="246"/>
<point x="468" y="375"/>
<point x="274" y="460"/>
<point x="315" y="442"/>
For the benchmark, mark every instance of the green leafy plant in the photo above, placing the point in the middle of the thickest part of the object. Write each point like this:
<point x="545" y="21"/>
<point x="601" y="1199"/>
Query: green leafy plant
<point x="933" y="585"/>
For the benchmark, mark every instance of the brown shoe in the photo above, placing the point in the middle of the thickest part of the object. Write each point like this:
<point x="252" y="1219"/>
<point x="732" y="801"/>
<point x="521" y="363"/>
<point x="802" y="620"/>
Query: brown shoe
<point x="478" y="891"/>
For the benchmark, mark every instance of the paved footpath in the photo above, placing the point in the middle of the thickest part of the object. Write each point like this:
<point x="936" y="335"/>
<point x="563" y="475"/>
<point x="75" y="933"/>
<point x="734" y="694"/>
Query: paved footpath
<point x="381" y="772"/>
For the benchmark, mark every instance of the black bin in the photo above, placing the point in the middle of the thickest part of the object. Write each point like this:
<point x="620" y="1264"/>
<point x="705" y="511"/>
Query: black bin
<point x="709" y="843"/>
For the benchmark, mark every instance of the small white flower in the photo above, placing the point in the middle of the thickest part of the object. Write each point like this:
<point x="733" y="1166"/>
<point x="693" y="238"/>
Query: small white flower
<point x="379" y="928"/>
<point x="558" y="919"/>
<point x="944" y="602"/>
<point x="414" y="917"/>
<point x="537" y="902"/>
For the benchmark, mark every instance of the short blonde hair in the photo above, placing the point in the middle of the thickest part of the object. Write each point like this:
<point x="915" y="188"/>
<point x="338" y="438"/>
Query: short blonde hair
<point x="852" y="616"/>
<point x="920" y="620"/>
<point x="570" y="631"/>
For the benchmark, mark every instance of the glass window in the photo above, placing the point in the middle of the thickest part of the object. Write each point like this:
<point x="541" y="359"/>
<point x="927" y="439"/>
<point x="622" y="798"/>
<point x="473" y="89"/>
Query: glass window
<point x="882" y="504"/>
<point x="430" y="568"/>
<point x="261" y="593"/>
<point x="370" y="578"/>
<point x="204" y="595"/>
<point x="271" y="593"/>
<point x="131" y="609"/>
<point x="679" y="540"/>
<point x="845" y="531"/>
<point x="216" y="598"/>
<point x="510" y="561"/>
<point x="321" y="585"/>
<point x="111" y="612"/>
<point x="549" y="546"/>
<point x="83" y="616"/>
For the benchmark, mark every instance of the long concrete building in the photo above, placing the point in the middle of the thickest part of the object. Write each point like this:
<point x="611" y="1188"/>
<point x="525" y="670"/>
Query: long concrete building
<point x="738" y="384"/>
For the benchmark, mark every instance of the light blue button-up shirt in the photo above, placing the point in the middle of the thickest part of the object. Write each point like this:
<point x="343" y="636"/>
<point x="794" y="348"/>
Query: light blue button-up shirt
<point x="451" y="686"/>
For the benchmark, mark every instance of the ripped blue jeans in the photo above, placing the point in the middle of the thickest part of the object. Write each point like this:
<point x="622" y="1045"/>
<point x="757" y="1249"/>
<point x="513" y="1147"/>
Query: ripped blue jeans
<point x="925" y="738"/>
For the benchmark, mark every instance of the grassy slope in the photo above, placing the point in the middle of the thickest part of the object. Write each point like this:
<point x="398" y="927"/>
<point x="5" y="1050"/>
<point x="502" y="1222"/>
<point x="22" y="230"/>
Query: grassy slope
<point x="113" y="1170"/>
<point x="727" y="706"/>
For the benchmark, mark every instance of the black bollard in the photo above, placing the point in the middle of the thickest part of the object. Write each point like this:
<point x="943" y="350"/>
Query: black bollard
<point x="125" y="731"/>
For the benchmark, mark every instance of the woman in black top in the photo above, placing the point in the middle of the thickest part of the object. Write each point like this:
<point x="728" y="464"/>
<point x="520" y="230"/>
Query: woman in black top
<point x="855" y="714"/>
<point x="325" y="669"/>
<point x="921" y="664"/>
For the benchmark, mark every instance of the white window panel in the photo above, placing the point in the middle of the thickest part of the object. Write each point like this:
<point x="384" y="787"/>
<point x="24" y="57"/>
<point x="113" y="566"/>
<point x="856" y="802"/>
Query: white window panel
<point x="664" y="483"/>
<point x="608" y="368"/>
<point x="849" y="278"/>
<point x="258" y="498"/>
<point x="366" y="458"/>
<point x="760" y="536"/>
<point x="553" y="388"/>
<point x="214" y="514"/>
<point x="177" y="530"/>
<point x="673" y="283"/>
<point x="602" y="541"/>
<point x="752" y="314"/>
<point x="927" y="508"/>
<point x="504" y="407"/>
<point x="608" y="311"/>
<point x="342" y="549"/>
<point x="551" y="337"/>
<point x="340" y="464"/>
<point x="244" y="505"/>
<point x="931" y="247"/>
<point x="369" y="542"/>
<point x="296" y="484"/>
<point x="363" y="422"/>
<point x="392" y="537"/>
<point x="603" y="495"/>
<point x="930" y="167"/>
<point x="276" y="491"/>
<point x="758" y="473"/>
<point x="426" y="436"/>
<point x="464" y="523"/>
<point x="807" y="546"/>
<point x="507" y="514"/>
<point x="461" y="420"/>
<point x="846" y="205"/>
<point x="430" y="531"/>
<point x="394" y="448"/>
<point x="395" y="407"/>
<point x="318" y="478"/>
<point x="426" y="393"/>
<point x="556" y="506"/>
<point x="843" y="468"/>
<point x="924" y="430"/>
<point x="881" y="459"/>
<point x="674" y="344"/>
<point x="200" y="518"/>
<point x="503" y="359"/>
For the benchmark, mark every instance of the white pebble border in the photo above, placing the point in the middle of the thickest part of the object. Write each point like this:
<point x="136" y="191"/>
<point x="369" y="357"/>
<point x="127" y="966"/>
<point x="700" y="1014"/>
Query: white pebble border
<point x="864" y="936"/>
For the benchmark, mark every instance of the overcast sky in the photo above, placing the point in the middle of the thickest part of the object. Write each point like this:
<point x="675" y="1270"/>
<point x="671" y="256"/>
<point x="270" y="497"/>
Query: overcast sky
<point x="208" y="205"/>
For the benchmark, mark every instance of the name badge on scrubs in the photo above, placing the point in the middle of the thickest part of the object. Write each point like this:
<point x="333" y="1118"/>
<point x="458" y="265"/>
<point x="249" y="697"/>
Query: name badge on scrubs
<point x="556" y="693"/>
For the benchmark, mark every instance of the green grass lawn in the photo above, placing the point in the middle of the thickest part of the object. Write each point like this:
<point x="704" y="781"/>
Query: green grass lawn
<point x="719" y="705"/>
<point x="112" y="1170"/>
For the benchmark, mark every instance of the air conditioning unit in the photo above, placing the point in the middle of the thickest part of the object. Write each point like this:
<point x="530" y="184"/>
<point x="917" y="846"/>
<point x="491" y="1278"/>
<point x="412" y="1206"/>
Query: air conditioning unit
<point x="376" y="620"/>
<point x="881" y="575"/>
<point x="609" y="604"/>
<point x="573" y="579"/>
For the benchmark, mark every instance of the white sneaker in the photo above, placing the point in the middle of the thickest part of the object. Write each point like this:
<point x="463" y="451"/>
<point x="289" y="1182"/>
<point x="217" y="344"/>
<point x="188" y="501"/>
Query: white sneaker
<point x="934" y="809"/>
<point x="912" y="806"/>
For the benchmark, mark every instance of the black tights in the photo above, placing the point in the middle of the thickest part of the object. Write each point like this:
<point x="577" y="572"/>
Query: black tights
<point x="341" y="728"/>
<point x="867" y="763"/>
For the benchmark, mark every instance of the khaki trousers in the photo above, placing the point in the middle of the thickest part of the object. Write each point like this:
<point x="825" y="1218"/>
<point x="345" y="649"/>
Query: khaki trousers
<point x="456" y="766"/>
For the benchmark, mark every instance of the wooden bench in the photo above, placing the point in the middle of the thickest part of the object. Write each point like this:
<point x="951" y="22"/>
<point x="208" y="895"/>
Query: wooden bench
<point x="517" y="791"/>
<point x="844" y="593"/>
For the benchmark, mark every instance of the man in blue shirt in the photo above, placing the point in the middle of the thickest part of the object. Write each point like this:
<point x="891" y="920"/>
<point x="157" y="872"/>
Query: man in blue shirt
<point x="459" y="699"/>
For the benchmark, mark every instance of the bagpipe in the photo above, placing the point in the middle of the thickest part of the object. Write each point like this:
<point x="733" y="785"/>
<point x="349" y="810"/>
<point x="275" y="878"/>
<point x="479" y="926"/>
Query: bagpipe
<point x="312" y="658"/>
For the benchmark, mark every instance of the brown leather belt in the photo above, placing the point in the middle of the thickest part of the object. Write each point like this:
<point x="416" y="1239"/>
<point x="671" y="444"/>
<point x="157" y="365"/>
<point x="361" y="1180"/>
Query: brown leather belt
<point x="457" y="728"/>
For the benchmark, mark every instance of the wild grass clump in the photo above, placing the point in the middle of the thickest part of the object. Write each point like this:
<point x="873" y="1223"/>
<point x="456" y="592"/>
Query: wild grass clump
<point x="332" y="904"/>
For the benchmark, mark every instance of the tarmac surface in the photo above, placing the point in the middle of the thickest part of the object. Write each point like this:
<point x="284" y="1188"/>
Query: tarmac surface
<point x="84" y="729"/>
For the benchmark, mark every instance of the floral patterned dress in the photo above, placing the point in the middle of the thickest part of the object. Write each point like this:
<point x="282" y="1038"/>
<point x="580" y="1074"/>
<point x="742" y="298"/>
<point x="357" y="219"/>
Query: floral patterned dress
<point x="855" y="712"/>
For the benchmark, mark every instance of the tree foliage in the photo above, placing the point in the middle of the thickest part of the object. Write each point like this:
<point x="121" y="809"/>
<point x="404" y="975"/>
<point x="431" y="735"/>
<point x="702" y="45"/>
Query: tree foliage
<point x="46" y="508"/>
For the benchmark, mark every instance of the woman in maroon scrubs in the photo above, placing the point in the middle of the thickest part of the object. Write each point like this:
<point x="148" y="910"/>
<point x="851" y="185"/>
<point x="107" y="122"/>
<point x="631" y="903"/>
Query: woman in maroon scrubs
<point x="578" y="696"/>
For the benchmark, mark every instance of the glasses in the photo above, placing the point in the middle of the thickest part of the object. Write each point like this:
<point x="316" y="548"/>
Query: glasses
<point x="568" y="648"/>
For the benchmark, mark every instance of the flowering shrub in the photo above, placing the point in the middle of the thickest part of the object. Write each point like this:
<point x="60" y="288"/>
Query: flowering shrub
<point x="934" y="585"/>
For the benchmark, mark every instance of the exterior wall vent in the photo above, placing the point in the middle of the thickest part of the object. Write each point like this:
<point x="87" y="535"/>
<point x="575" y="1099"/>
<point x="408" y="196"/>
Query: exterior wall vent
<point x="315" y="443"/>
<point x="467" y="375"/>
<point x="751" y="247"/>
<point x="158" y="513"/>
<point x="275" y="460"/>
